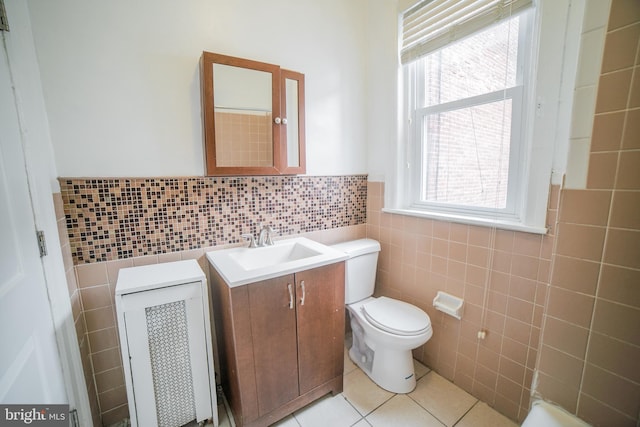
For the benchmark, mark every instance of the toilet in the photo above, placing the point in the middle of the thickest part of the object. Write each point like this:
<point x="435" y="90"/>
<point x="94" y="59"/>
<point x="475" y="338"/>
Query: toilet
<point x="384" y="330"/>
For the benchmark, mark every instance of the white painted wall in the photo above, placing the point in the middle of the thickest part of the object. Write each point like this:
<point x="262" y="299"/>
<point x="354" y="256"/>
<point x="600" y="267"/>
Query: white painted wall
<point x="594" y="32"/>
<point x="121" y="80"/>
<point x="382" y="86"/>
<point x="122" y="88"/>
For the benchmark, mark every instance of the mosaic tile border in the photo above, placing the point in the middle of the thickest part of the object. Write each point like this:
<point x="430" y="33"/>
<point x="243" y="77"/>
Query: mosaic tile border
<point x="117" y="218"/>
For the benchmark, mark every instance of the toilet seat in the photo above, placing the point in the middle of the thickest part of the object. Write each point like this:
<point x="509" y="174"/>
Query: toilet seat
<point x="396" y="317"/>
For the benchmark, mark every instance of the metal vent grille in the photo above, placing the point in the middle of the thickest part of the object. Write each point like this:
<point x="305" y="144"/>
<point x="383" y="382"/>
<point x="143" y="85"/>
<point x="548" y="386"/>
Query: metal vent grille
<point x="171" y="363"/>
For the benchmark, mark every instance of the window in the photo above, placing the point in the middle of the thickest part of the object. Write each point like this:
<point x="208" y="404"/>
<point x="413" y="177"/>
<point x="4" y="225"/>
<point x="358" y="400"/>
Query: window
<point x="466" y="66"/>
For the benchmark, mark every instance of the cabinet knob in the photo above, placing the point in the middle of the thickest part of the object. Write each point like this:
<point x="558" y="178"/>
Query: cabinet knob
<point x="284" y="120"/>
<point x="277" y="120"/>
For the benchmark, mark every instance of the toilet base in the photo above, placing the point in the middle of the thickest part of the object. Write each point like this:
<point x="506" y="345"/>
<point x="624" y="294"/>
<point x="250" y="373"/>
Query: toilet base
<point x="386" y="358"/>
<point x="391" y="370"/>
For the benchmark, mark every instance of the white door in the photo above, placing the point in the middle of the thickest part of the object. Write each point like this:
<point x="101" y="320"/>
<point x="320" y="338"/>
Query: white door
<point x="30" y="368"/>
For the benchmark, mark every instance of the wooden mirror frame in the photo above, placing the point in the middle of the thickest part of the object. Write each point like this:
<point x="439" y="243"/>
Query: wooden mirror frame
<point x="279" y="149"/>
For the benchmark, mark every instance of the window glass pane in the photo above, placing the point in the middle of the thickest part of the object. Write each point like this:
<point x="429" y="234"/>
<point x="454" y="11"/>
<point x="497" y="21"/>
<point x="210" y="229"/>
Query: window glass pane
<point x="482" y="63"/>
<point x="466" y="156"/>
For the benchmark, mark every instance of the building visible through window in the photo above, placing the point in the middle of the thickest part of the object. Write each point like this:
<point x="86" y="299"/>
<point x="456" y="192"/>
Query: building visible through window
<point x="465" y="85"/>
<point x="467" y="92"/>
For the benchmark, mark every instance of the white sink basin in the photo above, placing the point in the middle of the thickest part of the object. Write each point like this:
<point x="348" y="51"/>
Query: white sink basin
<point x="239" y="266"/>
<point x="272" y="255"/>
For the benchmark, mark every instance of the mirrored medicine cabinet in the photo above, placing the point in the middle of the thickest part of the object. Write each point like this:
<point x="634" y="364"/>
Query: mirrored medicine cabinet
<point x="253" y="117"/>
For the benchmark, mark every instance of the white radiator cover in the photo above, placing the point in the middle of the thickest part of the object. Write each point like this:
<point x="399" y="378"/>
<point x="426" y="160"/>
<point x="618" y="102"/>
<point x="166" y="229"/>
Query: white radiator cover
<point x="165" y="335"/>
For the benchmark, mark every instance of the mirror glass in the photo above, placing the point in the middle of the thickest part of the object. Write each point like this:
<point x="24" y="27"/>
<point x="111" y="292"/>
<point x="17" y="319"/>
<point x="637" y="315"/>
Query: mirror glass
<point x="243" y="116"/>
<point x="253" y="117"/>
<point x="293" y="154"/>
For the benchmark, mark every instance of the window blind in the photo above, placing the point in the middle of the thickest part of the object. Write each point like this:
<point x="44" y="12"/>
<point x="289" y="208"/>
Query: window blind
<point x="433" y="24"/>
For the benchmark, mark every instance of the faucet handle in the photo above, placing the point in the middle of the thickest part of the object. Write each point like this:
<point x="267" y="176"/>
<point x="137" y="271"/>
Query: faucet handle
<point x="251" y="239"/>
<point x="270" y="231"/>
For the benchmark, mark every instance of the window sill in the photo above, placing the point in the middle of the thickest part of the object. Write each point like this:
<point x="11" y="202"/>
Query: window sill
<point x="463" y="219"/>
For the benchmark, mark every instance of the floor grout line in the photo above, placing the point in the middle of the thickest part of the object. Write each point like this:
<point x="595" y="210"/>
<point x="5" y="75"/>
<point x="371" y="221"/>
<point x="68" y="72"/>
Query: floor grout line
<point x="386" y="400"/>
<point x="465" y="414"/>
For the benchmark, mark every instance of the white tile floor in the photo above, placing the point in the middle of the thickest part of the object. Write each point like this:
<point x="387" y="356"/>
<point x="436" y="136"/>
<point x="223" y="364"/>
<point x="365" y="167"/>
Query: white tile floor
<point x="435" y="402"/>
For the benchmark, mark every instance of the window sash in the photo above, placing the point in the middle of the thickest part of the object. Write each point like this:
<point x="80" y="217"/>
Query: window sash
<point x="432" y="24"/>
<point x="515" y="94"/>
<point x="471" y="101"/>
<point x="518" y="169"/>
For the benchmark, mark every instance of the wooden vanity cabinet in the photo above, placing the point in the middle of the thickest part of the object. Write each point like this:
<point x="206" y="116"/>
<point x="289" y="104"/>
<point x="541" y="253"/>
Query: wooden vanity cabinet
<point x="280" y="342"/>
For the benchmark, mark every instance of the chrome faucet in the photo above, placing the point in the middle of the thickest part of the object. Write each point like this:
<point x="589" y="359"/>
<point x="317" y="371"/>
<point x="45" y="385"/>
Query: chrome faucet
<point x="264" y="238"/>
<point x="251" y="239"/>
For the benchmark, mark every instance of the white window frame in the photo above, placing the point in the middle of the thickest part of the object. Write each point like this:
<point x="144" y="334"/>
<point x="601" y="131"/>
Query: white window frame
<point x="538" y="137"/>
<point x="518" y="96"/>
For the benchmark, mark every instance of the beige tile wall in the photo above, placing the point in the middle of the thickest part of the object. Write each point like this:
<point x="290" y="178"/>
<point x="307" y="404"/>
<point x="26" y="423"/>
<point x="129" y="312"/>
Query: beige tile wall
<point x="96" y="286"/>
<point x="118" y="218"/>
<point x="503" y="277"/>
<point x="590" y="349"/>
<point x="77" y="309"/>
<point x="243" y="139"/>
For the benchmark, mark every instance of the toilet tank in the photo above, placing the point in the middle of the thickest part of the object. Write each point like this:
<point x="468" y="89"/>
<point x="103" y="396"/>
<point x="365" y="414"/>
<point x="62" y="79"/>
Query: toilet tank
<point x="360" y="268"/>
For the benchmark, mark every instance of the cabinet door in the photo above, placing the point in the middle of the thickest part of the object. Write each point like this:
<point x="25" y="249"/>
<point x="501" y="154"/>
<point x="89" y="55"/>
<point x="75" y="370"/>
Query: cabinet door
<point x="273" y="330"/>
<point x="165" y="335"/>
<point x="293" y="156"/>
<point x="320" y="312"/>
<point x="241" y="99"/>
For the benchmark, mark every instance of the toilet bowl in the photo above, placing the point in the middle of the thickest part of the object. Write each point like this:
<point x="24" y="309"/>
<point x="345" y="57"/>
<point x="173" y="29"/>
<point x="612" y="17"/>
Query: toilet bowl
<point x="385" y="330"/>
<point x="384" y="354"/>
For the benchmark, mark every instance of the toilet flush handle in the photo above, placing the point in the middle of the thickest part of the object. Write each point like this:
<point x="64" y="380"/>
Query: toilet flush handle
<point x="304" y="293"/>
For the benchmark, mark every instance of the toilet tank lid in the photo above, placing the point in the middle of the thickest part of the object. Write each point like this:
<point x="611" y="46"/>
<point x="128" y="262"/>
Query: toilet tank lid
<point x="358" y="247"/>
